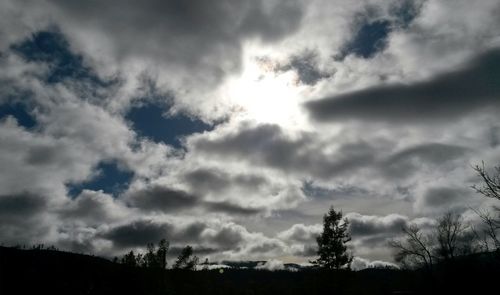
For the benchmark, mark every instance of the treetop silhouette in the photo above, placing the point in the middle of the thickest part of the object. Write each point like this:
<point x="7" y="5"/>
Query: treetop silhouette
<point x="332" y="248"/>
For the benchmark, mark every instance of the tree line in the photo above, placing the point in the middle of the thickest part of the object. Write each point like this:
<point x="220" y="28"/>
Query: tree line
<point x="156" y="257"/>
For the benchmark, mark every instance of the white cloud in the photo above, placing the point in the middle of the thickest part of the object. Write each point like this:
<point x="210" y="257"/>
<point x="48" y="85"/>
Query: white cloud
<point x="359" y="263"/>
<point x="272" y="265"/>
<point x="301" y="233"/>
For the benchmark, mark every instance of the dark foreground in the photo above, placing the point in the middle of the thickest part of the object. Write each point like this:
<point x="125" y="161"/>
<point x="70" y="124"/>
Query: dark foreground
<point x="55" y="272"/>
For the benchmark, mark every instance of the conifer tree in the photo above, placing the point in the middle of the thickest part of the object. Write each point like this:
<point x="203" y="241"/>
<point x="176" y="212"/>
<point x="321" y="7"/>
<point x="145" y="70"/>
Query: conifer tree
<point x="332" y="249"/>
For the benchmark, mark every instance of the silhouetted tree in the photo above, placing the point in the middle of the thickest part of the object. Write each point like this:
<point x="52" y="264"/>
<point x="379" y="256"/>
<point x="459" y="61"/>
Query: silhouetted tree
<point x="150" y="259"/>
<point x="139" y="258"/>
<point x="489" y="188"/>
<point x="415" y="249"/>
<point x="129" y="259"/>
<point x="38" y="247"/>
<point x="452" y="236"/>
<point x="489" y="232"/>
<point x="186" y="259"/>
<point x="161" y="253"/>
<point x="153" y="258"/>
<point x="205" y="264"/>
<point x="332" y="248"/>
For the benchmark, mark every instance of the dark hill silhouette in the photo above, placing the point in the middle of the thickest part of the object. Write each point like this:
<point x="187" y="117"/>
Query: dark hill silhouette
<point x="57" y="272"/>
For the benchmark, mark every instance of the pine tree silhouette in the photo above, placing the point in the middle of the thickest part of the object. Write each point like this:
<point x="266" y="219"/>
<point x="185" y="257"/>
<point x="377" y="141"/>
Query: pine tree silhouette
<point x="332" y="249"/>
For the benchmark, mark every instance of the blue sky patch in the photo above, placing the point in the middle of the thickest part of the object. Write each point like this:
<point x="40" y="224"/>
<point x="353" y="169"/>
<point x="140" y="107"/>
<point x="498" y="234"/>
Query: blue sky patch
<point x="18" y="111"/>
<point x="316" y="192"/>
<point x="370" y="38"/>
<point x="111" y="179"/>
<point x="150" y="121"/>
<point x="52" y="48"/>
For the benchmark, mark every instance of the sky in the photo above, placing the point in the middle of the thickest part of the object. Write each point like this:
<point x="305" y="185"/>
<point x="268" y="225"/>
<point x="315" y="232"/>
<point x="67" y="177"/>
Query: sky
<point x="233" y="126"/>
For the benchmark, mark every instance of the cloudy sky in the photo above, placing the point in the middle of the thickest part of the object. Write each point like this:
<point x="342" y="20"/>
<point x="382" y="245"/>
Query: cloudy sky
<point x="233" y="125"/>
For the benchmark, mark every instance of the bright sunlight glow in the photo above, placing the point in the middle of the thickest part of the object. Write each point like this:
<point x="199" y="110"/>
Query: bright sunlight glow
<point x="266" y="94"/>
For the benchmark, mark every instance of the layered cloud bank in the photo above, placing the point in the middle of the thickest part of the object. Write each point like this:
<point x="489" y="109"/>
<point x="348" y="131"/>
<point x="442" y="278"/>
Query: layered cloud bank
<point x="233" y="125"/>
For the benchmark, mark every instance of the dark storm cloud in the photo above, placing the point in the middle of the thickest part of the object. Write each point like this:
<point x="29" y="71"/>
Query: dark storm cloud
<point x="446" y="96"/>
<point x="164" y="199"/>
<point x="216" y="181"/>
<point x="445" y="196"/>
<point x="249" y="140"/>
<point x="206" y="179"/>
<point x="362" y="226"/>
<point x="369" y="231"/>
<point x="267" y="144"/>
<point x="85" y="207"/>
<point x="306" y="251"/>
<point x="378" y="240"/>
<point x="232" y="209"/>
<point x="91" y="207"/>
<point x="42" y="155"/>
<point x="138" y="233"/>
<point x="21" y="206"/>
<point x="228" y="237"/>
<point x="406" y="162"/>
<point x="494" y="136"/>
<point x="191" y="232"/>
<point x="306" y="67"/>
<point x="265" y="247"/>
<point x="194" y="34"/>
<point x="431" y="152"/>
<point x="158" y="198"/>
<point x="22" y="218"/>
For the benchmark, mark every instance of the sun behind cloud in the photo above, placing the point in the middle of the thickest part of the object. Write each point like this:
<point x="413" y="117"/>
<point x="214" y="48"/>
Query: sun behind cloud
<point x="266" y="94"/>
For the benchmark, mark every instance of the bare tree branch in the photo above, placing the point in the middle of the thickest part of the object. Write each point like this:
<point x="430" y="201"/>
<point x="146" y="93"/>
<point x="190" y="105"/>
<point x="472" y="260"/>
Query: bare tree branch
<point x="415" y="249"/>
<point x="490" y="187"/>
<point x="492" y="227"/>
